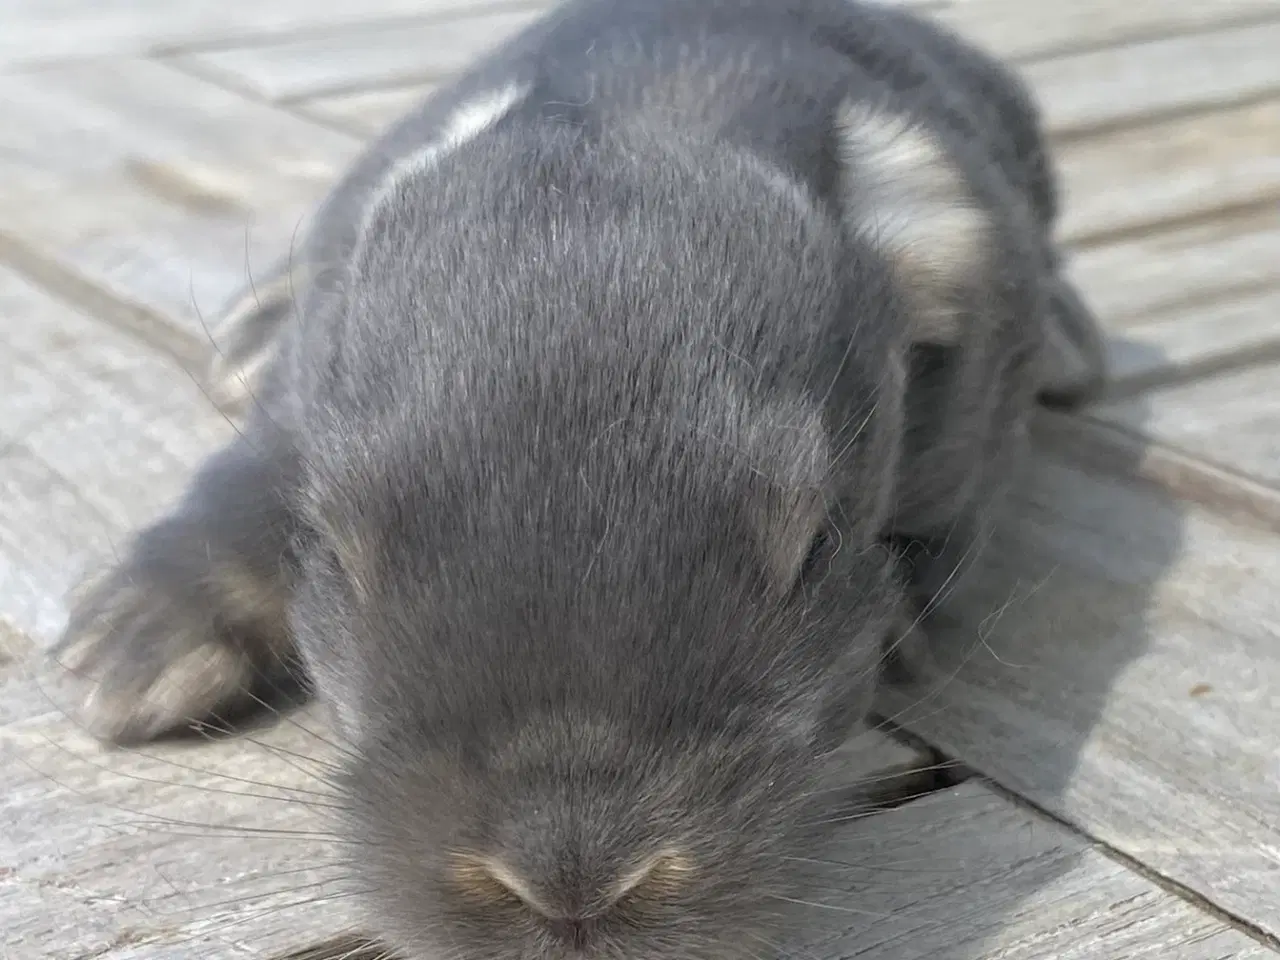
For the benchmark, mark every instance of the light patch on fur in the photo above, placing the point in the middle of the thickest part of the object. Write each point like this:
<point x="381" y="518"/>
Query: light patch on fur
<point x="903" y="190"/>
<point x="661" y="876"/>
<point x="465" y="124"/>
<point x="490" y="880"/>
<point x="779" y="182"/>
<point x="187" y="691"/>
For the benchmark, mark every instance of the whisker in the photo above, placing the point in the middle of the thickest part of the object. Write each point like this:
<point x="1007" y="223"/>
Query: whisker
<point x="830" y="906"/>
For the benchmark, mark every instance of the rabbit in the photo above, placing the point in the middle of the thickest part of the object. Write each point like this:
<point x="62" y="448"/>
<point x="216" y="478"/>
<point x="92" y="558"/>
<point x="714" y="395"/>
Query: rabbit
<point x="625" y="408"/>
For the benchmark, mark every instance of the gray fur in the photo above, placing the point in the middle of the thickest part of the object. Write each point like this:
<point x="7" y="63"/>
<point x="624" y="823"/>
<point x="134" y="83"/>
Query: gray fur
<point x="600" y="450"/>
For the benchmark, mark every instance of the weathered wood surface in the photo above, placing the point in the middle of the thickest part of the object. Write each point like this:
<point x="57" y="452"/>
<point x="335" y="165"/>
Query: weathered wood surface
<point x="1126" y="682"/>
<point x="967" y="875"/>
<point x="341" y="61"/>
<point x="159" y="190"/>
<point x="1058" y="29"/>
<point x="368" y="112"/>
<point x="1117" y="664"/>
<point x="175" y="851"/>
<point x="40" y="32"/>
<point x="1231" y="419"/>
<point x="1132" y="179"/>
<point x="1113" y="85"/>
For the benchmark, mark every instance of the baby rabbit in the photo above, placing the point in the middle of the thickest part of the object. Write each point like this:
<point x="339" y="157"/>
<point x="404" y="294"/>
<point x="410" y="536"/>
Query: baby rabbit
<point x="626" y="401"/>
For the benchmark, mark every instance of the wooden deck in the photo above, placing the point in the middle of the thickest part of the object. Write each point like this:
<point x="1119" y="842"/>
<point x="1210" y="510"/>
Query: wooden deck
<point x="1113" y="728"/>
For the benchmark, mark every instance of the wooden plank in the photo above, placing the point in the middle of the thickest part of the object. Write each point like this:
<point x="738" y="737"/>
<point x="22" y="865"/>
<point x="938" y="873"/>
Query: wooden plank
<point x="1192" y="167"/>
<point x="158" y="188"/>
<point x="1205" y="340"/>
<point x="1187" y="300"/>
<point x="366" y="113"/>
<point x="335" y="64"/>
<point x="1021" y="33"/>
<point x="345" y="61"/>
<point x="1082" y="92"/>
<point x="97" y="435"/>
<point x="1160" y="274"/>
<point x="1232" y="419"/>
<point x="175" y="851"/>
<point x="1104" y="88"/>
<point x="966" y="874"/>
<point x="1116" y="663"/>
<point x="40" y="32"/>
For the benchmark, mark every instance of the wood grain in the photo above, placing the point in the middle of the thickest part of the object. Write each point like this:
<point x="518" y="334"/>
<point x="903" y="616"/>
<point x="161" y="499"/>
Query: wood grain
<point x="966" y="875"/>
<point x="1143" y="176"/>
<point x="1115" y="661"/>
<point x="97" y="435"/>
<point x="40" y="32"/>
<point x="1056" y="29"/>
<point x="1202" y="341"/>
<point x="1103" y="88"/>
<point x="175" y="851"/>
<point x="1232" y="419"/>
<point x="1187" y="301"/>
<point x="346" y="61"/>
<point x="1163" y="272"/>
<point x="366" y="113"/>
<point x="159" y="189"/>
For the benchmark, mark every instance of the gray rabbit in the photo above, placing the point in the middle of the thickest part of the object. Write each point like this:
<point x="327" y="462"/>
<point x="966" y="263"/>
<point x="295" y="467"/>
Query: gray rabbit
<point x="626" y="405"/>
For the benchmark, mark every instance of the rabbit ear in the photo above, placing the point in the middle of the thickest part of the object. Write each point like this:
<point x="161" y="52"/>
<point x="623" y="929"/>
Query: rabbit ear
<point x="901" y="191"/>
<point x="1075" y="358"/>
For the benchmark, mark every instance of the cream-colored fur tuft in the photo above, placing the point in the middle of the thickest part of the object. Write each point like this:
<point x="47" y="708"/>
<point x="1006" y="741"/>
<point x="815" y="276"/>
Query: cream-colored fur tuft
<point x="905" y="192"/>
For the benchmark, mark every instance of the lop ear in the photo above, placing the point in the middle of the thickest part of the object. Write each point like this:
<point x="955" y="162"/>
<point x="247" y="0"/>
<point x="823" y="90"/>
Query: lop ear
<point x="902" y="191"/>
